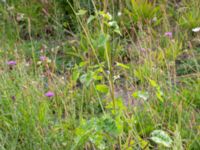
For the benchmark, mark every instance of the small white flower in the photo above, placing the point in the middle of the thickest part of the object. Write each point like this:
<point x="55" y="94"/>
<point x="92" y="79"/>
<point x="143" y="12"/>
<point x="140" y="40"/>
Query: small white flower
<point x="154" y="19"/>
<point x="119" y="14"/>
<point x="48" y="60"/>
<point x="27" y="64"/>
<point x="108" y="72"/>
<point x="197" y="29"/>
<point x="20" y="17"/>
<point x="39" y="63"/>
<point x="116" y="77"/>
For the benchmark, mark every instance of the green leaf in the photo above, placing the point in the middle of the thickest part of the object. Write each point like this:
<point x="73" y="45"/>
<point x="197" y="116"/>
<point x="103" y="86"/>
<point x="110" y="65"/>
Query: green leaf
<point x="107" y="15"/>
<point x="83" y="63"/>
<point x="141" y="94"/>
<point x="102" y="40"/>
<point x="115" y="26"/>
<point x="153" y="83"/>
<point x="109" y="126"/>
<point x="87" y="78"/>
<point x="159" y="96"/>
<point x="161" y="137"/>
<point x="102" y="88"/>
<point x="75" y="75"/>
<point x="90" y="19"/>
<point x="116" y="30"/>
<point x="122" y="65"/>
<point x="81" y="12"/>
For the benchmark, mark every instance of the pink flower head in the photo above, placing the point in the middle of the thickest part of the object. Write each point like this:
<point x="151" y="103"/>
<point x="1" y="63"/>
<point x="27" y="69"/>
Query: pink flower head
<point x="11" y="63"/>
<point x="143" y="49"/>
<point x="42" y="58"/>
<point x="49" y="94"/>
<point x="168" y="34"/>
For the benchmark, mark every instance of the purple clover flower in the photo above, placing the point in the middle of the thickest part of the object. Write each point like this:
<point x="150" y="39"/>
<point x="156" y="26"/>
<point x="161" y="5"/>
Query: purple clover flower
<point x="168" y="34"/>
<point x="43" y="58"/>
<point x="49" y="94"/>
<point x="11" y="63"/>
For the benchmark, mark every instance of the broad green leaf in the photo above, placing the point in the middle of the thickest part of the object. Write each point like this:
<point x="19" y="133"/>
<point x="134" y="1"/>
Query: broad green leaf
<point x="112" y="23"/>
<point x="161" y="137"/>
<point x="109" y="125"/>
<point x="75" y="75"/>
<point x="102" y="40"/>
<point x="116" y="30"/>
<point x="90" y="19"/>
<point x="87" y="78"/>
<point x="102" y="88"/>
<point x="81" y="12"/>
<point x="83" y="63"/>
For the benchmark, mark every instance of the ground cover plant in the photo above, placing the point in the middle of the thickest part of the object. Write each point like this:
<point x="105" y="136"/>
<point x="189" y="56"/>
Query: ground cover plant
<point x="99" y="74"/>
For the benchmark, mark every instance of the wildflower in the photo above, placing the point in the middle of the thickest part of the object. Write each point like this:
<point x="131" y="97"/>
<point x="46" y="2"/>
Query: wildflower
<point x="119" y="14"/>
<point x="11" y="63"/>
<point x="27" y="64"/>
<point x="116" y="77"/>
<point x="48" y="60"/>
<point x="143" y="49"/>
<point x="20" y="17"/>
<point x="39" y="63"/>
<point x="154" y="19"/>
<point x="43" y="58"/>
<point x="168" y="34"/>
<point x="108" y="72"/>
<point x="49" y="94"/>
<point x="197" y="29"/>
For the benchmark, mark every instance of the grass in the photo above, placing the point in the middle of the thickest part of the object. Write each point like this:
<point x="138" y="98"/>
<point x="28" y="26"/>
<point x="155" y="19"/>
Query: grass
<point x="123" y="75"/>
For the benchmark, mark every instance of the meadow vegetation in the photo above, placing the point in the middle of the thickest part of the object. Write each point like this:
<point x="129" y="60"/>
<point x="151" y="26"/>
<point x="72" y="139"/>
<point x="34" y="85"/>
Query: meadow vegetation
<point x="99" y="74"/>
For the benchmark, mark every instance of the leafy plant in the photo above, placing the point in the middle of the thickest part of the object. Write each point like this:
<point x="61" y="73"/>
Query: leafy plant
<point x="99" y="131"/>
<point x="161" y="137"/>
<point x="143" y="11"/>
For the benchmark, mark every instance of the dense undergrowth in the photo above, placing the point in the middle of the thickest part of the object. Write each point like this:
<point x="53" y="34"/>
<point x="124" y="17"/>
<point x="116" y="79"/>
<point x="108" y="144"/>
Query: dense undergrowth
<point x="99" y="74"/>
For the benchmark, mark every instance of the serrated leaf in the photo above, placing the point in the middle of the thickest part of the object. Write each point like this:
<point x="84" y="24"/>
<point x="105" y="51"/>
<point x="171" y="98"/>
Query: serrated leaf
<point x="161" y="137"/>
<point x="102" y="88"/>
